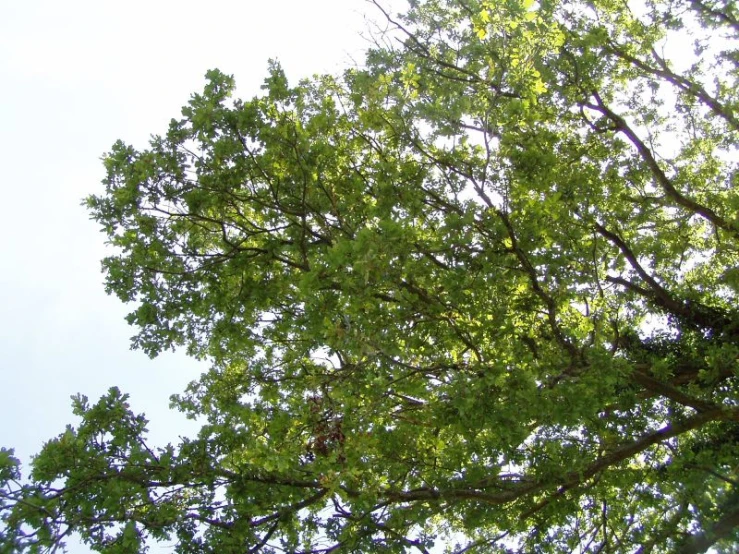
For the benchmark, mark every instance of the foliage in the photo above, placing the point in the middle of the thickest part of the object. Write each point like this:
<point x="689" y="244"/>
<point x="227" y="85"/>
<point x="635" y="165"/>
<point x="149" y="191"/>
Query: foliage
<point x="479" y="295"/>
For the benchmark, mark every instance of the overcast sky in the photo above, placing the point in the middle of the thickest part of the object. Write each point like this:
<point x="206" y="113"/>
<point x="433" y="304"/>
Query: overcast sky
<point x="74" y="77"/>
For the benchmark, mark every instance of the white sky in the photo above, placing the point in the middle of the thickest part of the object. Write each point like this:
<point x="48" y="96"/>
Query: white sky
<point x="74" y="77"/>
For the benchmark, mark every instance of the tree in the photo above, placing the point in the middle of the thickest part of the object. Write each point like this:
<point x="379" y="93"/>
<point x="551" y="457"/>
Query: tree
<point x="479" y="294"/>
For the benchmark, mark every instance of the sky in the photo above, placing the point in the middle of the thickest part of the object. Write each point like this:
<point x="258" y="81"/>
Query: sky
<point x="74" y="77"/>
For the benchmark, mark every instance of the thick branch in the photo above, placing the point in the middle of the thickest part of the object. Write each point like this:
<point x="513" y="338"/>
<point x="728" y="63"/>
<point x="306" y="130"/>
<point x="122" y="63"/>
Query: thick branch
<point x="659" y="175"/>
<point x="722" y="16"/>
<point x="700" y="316"/>
<point x="690" y="87"/>
<point x="536" y="287"/>
<point x="576" y="478"/>
<point x="668" y="391"/>
<point x="723" y="528"/>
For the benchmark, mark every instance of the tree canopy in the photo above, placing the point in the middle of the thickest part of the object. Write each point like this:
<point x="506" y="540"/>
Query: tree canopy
<point x="478" y="294"/>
